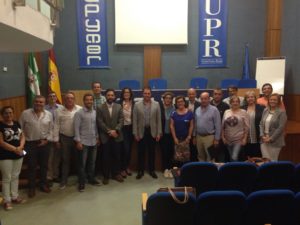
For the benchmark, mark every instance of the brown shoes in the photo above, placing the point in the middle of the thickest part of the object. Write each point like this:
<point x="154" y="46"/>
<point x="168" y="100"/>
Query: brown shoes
<point x="119" y="178"/>
<point x="123" y="174"/>
<point x="45" y="189"/>
<point x="105" y="181"/>
<point x="18" y="200"/>
<point x="7" y="206"/>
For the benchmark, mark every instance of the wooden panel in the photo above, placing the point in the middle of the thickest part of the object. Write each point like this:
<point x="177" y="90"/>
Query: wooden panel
<point x="152" y="63"/>
<point x="273" y="30"/>
<point x="79" y="96"/>
<point x="274" y="14"/>
<point x="242" y="91"/>
<point x="273" y="43"/>
<point x="292" y="104"/>
<point x="18" y="103"/>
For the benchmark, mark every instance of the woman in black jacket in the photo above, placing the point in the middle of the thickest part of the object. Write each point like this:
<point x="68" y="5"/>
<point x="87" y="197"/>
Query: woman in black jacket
<point x="166" y="141"/>
<point x="254" y="110"/>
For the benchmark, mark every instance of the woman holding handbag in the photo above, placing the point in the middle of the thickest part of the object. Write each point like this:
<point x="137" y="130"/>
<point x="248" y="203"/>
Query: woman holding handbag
<point x="181" y="126"/>
<point x="12" y="142"/>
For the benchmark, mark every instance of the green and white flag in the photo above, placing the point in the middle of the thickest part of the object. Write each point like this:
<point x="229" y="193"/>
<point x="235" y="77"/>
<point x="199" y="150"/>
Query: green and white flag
<point x="33" y="80"/>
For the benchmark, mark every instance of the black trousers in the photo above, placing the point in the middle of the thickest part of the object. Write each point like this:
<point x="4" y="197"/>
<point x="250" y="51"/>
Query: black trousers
<point x="126" y="146"/>
<point x="167" y="151"/>
<point x="111" y="158"/>
<point x="37" y="156"/>
<point x="146" y="144"/>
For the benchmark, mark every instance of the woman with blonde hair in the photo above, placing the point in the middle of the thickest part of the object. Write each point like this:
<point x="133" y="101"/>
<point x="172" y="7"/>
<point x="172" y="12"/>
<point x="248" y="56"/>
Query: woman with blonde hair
<point x="254" y="110"/>
<point x="272" y="127"/>
<point x="235" y="128"/>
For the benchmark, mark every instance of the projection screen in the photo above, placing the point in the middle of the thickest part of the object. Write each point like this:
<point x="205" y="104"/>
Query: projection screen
<point x="151" y="21"/>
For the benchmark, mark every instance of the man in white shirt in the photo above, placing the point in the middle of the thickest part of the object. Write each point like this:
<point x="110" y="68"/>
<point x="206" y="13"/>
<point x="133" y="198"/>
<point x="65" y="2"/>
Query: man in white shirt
<point x="64" y="134"/>
<point x="37" y="125"/>
<point x="233" y="91"/>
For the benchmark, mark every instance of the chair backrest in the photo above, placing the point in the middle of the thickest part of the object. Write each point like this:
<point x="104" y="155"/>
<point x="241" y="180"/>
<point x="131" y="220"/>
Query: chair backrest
<point x="229" y="82"/>
<point x="163" y="210"/>
<point x="133" y="84"/>
<point x="221" y="208"/>
<point x="200" y="175"/>
<point x="198" y="83"/>
<point x="270" y="207"/>
<point x="297" y="208"/>
<point x="297" y="178"/>
<point x="240" y="176"/>
<point x="158" y="83"/>
<point x="247" y="83"/>
<point x="276" y="175"/>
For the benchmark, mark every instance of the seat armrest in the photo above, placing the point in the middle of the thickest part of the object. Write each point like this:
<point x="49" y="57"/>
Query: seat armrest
<point x="144" y="201"/>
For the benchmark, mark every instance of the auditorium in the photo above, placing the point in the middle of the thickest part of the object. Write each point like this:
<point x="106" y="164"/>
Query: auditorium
<point x="149" y="112"/>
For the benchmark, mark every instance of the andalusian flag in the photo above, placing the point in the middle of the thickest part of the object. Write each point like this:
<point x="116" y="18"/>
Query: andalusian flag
<point x="53" y="76"/>
<point x="33" y="79"/>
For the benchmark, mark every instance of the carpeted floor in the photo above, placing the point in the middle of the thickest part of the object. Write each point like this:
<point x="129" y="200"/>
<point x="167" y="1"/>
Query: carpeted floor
<point x="113" y="204"/>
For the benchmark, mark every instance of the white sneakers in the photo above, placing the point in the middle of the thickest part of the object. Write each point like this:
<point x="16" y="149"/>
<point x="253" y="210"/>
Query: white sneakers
<point x="168" y="174"/>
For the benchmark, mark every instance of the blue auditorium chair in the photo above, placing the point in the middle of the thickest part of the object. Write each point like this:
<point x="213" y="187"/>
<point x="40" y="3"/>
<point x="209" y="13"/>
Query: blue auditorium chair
<point x="161" y="209"/>
<point x="247" y="83"/>
<point x="240" y="176"/>
<point x="158" y="83"/>
<point x="133" y="84"/>
<point x="198" y="83"/>
<point x="276" y="175"/>
<point x="221" y="208"/>
<point x="297" y="178"/>
<point x="274" y="207"/>
<point x="229" y="82"/>
<point x="200" y="175"/>
<point x="297" y="209"/>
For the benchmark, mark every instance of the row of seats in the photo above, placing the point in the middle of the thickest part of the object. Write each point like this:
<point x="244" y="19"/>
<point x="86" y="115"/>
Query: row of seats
<point x="276" y="207"/>
<point x="242" y="176"/>
<point x="197" y="82"/>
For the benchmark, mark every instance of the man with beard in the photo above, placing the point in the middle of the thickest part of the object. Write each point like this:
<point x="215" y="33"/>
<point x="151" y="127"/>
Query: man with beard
<point x="86" y="139"/>
<point x="147" y="131"/>
<point x="110" y="121"/>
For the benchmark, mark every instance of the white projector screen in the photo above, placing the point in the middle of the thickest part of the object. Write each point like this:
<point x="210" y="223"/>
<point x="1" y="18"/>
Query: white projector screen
<point x="151" y="21"/>
<point x="271" y="70"/>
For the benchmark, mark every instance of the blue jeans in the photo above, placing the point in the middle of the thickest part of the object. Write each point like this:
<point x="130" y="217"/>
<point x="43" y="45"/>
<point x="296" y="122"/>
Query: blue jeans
<point x="234" y="151"/>
<point x="86" y="159"/>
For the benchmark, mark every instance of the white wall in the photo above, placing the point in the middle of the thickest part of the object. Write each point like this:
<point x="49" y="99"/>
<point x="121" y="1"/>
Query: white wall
<point x="23" y="29"/>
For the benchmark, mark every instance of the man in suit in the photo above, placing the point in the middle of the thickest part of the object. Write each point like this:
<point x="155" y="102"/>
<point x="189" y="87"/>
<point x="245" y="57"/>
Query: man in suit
<point x="146" y="130"/>
<point x="110" y="121"/>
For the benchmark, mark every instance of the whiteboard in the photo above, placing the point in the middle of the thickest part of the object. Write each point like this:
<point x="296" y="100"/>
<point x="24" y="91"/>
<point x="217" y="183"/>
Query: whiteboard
<point x="151" y="21"/>
<point x="271" y="70"/>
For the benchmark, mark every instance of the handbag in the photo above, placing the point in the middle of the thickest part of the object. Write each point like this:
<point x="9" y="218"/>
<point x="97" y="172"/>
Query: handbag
<point x="258" y="161"/>
<point x="182" y="152"/>
<point x="173" y="190"/>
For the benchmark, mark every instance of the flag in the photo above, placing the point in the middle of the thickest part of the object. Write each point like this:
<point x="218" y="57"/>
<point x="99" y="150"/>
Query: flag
<point x="34" y="80"/>
<point x="246" y="66"/>
<point x="54" y="84"/>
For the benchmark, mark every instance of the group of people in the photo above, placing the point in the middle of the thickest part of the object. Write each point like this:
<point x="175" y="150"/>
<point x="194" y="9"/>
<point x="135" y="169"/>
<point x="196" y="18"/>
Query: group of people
<point x="214" y="129"/>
